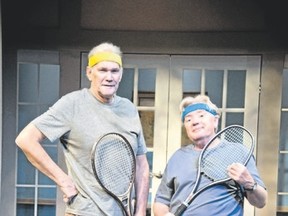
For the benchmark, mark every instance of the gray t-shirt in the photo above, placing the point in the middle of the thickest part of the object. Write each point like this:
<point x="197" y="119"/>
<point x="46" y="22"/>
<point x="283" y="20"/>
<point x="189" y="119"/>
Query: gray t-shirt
<point x="80" y="120"/>
<point x="178" y="181"/>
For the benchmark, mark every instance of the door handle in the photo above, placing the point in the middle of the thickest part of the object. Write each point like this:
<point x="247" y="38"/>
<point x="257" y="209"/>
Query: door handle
<point x="157" y="175"/>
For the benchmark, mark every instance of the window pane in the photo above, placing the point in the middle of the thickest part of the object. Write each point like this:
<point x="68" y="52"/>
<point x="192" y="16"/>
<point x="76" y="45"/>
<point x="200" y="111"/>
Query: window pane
<point x="191" y="81"/>
<point x="43" y="108"/>
<point x="25" y="201"/>
<point x="49" y="83"/>
<point x="47" y="196"/>
<point x="283" y="173"/>
<point x="234" y="118"/>
<point x="282" y="200"/>
<point x="283" y="131"/>
<point x="214" y="86"/>
<point x="282" y="203"/>
<point x="147" y="80"/>
<point x="127" y="84"/>
<point x="46" y="210"/>
<point x="147" y="120"/>
<point x="26" y="113"/>
<point x="44" y="180"/>
<point x="146" y="97"/>
<point x="146" y="87"/>
<point x="285" y="89"/>
<point x="25" y="209"/>
<point x="51" y="149"/>
<point x="25" y="171"/>
<point x="25" y="195"/>
<point x="236" y="89"/>
<point x="28" y="82"/>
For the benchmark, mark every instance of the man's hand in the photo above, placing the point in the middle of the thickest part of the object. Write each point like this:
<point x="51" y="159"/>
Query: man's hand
<point x="239" y="173"/>
<point x="69" y="189"/>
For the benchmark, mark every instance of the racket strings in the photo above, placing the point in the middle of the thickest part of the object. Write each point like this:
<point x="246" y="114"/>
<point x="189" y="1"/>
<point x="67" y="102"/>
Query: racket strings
<point x="114" y="164"/>
<point x="234" y="147"/>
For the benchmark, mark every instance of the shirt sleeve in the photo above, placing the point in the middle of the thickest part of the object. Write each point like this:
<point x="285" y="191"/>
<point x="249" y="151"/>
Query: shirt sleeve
<point x="142" y="149"/>
<point x="251" y="166"/>
<point x="56" y="121"/>
<point x="165" y="190"/>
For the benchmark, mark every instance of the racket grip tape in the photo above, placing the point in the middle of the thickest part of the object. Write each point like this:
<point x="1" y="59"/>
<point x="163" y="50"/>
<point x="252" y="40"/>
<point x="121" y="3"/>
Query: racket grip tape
<point x="181" y="209"/>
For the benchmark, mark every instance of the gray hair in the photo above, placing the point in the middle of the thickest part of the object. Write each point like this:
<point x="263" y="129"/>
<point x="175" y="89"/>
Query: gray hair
<point x="105" y="47"/>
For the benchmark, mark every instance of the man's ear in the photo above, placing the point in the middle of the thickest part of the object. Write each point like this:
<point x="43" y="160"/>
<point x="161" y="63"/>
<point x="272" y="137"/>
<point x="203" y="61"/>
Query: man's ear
<point x="121" y="75"/>
<point x="88" y="72"/>
<point x="216" y="121"/>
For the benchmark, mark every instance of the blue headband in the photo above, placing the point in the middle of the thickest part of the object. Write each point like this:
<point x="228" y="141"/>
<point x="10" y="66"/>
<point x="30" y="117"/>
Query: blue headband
<point x="197" y="106"/>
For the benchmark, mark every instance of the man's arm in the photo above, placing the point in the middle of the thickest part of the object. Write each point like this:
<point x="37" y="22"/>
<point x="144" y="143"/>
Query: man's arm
<point x="160" y="209"/>
<point x="257" y="197"/>
<point x="29" y="141"/>
<point x="141" y="184"/>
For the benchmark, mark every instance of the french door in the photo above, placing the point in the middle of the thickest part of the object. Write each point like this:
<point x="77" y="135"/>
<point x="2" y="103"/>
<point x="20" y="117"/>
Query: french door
<point x="157" y="83"/>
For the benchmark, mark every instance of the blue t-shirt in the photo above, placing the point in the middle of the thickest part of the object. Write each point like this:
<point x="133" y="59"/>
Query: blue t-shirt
<point x="178" y="181"/>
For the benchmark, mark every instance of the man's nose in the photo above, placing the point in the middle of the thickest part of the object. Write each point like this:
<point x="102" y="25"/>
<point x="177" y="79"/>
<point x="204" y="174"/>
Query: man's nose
<point x="195" y="122"/>
<point x="109" y="75"/>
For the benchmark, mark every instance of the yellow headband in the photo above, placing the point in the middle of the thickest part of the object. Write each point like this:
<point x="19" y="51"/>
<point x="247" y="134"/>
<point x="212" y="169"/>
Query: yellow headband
<point x="104" y="56"/>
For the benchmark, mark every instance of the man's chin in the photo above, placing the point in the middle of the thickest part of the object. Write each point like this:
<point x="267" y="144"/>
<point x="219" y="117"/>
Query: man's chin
<point x="201" y="141"/>
<point x="108" y="95"/>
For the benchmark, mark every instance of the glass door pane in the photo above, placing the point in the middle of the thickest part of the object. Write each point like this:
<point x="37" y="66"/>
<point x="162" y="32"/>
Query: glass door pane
<point x="282" y="199"/>
<point x="150" y="94"/>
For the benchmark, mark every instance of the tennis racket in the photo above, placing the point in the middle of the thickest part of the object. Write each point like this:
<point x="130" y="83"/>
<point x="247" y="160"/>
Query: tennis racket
<point x="233" y="144"/>
<point x="114" y="167"/>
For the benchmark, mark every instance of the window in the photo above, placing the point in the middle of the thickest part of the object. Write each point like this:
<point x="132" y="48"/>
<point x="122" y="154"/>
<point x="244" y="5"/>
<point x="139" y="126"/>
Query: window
<point x="283" y="148"/>
<point x="38" y="88"/>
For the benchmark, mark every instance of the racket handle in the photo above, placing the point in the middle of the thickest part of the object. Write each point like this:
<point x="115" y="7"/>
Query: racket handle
<point x="181" y="209"/>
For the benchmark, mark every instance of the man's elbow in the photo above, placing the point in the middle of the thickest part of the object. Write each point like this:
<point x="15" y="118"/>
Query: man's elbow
<point x="263" y="203"/>
<point x="19" y="140"/>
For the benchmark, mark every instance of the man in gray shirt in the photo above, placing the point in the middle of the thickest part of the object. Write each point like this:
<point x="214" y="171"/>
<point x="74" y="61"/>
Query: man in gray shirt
<point x="79" y="119"/>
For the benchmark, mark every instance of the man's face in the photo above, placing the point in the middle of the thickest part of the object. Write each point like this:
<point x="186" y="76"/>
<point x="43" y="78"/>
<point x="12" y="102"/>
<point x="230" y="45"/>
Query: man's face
<point x="105" y="78"/>
<point x="200" y="126"/>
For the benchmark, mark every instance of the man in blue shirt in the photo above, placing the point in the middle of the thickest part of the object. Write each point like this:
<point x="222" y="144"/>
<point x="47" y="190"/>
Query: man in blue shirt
<point x="200" y="117"/>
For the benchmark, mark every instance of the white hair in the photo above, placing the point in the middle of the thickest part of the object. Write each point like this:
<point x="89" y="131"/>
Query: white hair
<point x="105" y="47"/>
